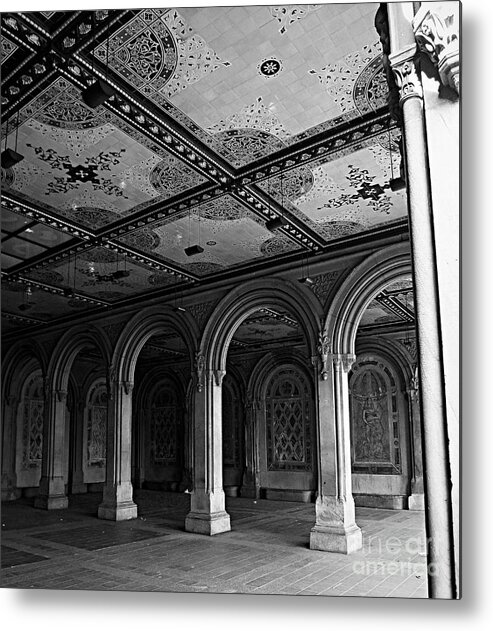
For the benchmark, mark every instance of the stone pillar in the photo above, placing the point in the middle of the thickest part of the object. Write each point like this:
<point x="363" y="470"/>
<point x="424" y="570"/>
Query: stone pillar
<point x="335" y="527"/>
<point x="441" y="562"/>
<point x="207" y="514"/>
<point x="118" y="503"/>
<point x="9" y="444"/>
<point x="250" y="486"/>
<point x="52" y="484"/>
<point x="416" y="500"/>
<point x="78" y="485"/>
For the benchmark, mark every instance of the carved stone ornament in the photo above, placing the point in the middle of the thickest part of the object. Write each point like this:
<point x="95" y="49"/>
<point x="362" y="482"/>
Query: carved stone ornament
<point x="128" y="386"/>
<point x="219" y="376"/>
<point x="61" y="395"/>
<point x="199" y="367"/>
<point x="437" y="34"/>
<point x="324" y="349"/>
<point x="406" y="76"/>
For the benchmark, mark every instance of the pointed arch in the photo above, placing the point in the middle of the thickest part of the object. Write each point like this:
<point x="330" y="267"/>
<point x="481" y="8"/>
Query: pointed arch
<point x="141" y="328"/>
<point x="67" y="349"/>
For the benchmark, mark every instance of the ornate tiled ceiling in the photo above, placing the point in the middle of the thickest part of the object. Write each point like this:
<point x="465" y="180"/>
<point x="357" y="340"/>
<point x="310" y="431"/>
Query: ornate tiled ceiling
<point x="222" y="118"/>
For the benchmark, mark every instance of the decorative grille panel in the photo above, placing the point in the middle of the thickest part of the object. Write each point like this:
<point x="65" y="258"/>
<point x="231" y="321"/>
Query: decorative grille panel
<point x="375" y="443"/>
<point x="163" y="435"/>
<point x="97" y="421"/>
<point x="32" y="422"/>
<point x="231" y="424"/>
<point x="289" y="421"/>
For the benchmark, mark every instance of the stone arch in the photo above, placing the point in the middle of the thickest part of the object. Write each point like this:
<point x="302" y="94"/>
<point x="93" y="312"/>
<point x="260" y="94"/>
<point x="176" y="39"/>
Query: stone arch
<point x="67" y="348"/>
<point x="391" y="353"/>
<point x="354" y="295"/>
<point x="14" y="362"/>
<point x="141" y="328"/>
<point x="242" y="301"/>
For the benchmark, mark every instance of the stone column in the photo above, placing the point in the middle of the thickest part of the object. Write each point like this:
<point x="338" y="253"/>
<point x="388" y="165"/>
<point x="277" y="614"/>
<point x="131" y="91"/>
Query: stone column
<point x="335" y="527"/>
<point x="416" y="500"/>
<point x="207" y="507"/>
<point x="250" y="486"/>
<point x="441" y="562"/>
<point x="52" y="484"/>
<point x="78" y="485"/>
<point x="9" y="445"/>
<point x="118" y="503"/>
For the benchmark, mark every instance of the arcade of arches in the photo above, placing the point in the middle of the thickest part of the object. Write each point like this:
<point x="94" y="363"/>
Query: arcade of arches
<point x="304" y="346"/>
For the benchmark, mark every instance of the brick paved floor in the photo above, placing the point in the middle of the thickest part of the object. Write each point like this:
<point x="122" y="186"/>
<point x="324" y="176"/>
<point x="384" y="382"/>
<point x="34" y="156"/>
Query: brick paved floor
<point x="265" y="553"/>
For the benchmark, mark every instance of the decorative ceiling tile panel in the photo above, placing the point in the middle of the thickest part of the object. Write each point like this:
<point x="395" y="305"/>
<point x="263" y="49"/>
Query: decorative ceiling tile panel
<point x="229" y="233"/>
<point x="78" y="158"/>
<point x="94" y="275"/>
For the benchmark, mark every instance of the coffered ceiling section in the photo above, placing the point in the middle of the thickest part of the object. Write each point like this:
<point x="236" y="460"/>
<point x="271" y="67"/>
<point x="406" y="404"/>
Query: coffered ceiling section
<point x="220" y="120"/>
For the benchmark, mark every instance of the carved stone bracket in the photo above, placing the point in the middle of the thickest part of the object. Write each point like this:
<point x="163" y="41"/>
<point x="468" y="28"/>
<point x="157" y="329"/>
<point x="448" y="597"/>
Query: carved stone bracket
<point x="405" y="73"/>
<point x="219" y="376"/>
<point x="437" y="34"/>
<point x="199" y="368"/>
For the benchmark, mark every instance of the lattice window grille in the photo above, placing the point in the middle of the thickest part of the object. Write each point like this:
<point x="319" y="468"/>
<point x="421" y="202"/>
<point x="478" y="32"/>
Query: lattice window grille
<point x="231" y="426"/>
<point x="289" y="419"/>
<point x="164" y="435"/>
<point x="33" y="420"/>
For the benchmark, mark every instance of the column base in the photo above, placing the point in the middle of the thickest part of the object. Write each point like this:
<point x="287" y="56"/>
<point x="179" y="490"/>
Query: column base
<point x="51" y="502"/>
<point x="117" y="512"/>
<point x="208" y="523"/>
<point x="78" y="488"/>
<point x="8" y="495"/>
<point x="335" y="540"/>
<point x="416" y="501"/>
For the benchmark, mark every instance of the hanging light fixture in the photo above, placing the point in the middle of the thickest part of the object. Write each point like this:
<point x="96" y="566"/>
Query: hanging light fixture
<point x="99" y="91"/>
<point x="305" y="279"/>
<point x="396" y="183"/>
<point x="11" y="157"/>
<point x="192" y="250"/>
<point x="27" y="304"/>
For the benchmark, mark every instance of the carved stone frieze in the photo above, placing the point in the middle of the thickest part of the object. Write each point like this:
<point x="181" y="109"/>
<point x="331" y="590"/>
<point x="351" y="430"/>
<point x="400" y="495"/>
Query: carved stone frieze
<point x="437" y="34"/>
<point x="323" y="284"/>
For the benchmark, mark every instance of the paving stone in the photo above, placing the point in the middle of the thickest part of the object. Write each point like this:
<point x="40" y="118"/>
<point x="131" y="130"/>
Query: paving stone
<point x="266" y="551"/>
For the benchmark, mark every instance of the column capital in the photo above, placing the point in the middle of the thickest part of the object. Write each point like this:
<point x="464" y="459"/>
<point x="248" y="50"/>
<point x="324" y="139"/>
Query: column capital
<point x="61" y="395"/>
<point x="343" y="361"/>
<point x="436" y="30"/>
<point x="405" y="72"/>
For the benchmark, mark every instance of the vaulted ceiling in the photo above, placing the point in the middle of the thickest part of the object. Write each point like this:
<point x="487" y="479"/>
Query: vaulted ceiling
<point x="222" y="118"/>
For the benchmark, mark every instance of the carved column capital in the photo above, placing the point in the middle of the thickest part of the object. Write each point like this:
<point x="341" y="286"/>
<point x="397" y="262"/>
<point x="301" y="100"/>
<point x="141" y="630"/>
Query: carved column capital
<point x="437" y="34"/>
<point x="343" y="361"/>
<point x="406" y="76"/>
